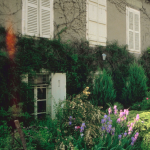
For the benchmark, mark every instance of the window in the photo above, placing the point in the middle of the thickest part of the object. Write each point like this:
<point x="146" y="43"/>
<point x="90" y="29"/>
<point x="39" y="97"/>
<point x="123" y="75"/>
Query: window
<point x="96" y="22"/>
<point x="40" y="87"/>
<point x="133" y="30"/>
<point x="37" y="18"/>
<point x="47" y="89"/>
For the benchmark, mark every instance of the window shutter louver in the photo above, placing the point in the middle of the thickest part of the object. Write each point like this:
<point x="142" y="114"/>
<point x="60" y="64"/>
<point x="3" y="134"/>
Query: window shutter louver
<point x="131" y="38"/>
<point x="32" y="18"/>
<point x="133" y="29"/>
<point x="45" y="18"/>
<point x="97" y="22"/>
<point x="137" y="35"/>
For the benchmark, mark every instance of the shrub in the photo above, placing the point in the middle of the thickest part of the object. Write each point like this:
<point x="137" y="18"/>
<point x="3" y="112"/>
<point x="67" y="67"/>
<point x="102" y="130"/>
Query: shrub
<point x="145" y="62"/>
<point x="117" y="64"/>
<point x="136" y="87"/>
<point x="83" y="111"/>
<point x="103" y="90"/>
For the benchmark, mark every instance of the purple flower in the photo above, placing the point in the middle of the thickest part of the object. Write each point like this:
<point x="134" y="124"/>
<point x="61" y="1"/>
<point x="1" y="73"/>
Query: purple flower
<point x="70" y="118"/>
<point x="103" y="128"/>
<point x="119" y="136"/>
<point x="109" y="110"/>
<point x="102" y="121"/>
<point x="127" y="112"/>
<point x="125" y="118"/>
<point x="115" y="107"/>
<point x="83" y="124"/>
<point x="109" y="126"/>
<point x="136" y="135"/>
<point x="125" y="134"/>
<point x="121" y="114"/>
<point x="133" y="139"/>
<point x="70" y="122"/>
<point x="81" y="129"/>
<point x="110" y="121"/>
<point x="118" y="120"/>
<point x="105" y="116"/>
<point x="108" y="118"/>
<point x="130" y="129"/>
<point x="129" y="133"/>
<point x="132" y="143"/>
<point x="115" y="111"/>
<point x="108" y="130"/>
<point x="113" y="129"/>
<point x="137" y="117"/>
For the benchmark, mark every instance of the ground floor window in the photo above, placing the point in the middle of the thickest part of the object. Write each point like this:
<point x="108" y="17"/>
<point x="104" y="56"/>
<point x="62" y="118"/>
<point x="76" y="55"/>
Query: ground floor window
<point x="40" y="90"/>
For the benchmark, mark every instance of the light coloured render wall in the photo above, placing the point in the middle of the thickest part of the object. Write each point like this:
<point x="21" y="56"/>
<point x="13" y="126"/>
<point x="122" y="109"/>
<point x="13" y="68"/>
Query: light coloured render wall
<point x="11" y="11"/>
<point x="70" y="14"/>
<point x="116" y="17"/>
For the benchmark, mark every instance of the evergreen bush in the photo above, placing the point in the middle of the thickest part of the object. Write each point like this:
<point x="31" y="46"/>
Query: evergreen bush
<point x="145" y="62"/>
<point x="136" y="86"/>
<point x="118" y="61"/>
<point x="103" y="90"/>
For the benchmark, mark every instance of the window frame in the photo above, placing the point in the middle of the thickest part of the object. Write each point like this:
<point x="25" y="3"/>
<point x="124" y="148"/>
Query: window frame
<point x="24" y="20"/>
<point x="35" y="87"/>
<point x="127" y="29"/>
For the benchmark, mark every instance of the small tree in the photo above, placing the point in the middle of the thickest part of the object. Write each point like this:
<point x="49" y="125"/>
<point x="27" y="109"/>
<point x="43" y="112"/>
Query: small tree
<point x="136" y="85"/>
<point x="103" y="91"/>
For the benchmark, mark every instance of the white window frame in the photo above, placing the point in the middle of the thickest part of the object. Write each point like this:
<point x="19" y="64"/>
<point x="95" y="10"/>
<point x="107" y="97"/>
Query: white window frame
<point x="24" y="20"/>
<point x="87" y="23"/>
<point x="35" y="97"/>
<point x="127" y="30"/>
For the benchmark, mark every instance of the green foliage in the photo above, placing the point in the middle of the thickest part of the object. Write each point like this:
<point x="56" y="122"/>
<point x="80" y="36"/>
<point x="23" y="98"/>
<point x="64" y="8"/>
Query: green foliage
<point x="136" y="87"/>
<point x="144" y="105"/>
<point x="145" y="62"/>
<point x="119" y="106"/>
<point x="74" y="58"/>
<point x="103" y="91"/>
<point x="117" y="64"/>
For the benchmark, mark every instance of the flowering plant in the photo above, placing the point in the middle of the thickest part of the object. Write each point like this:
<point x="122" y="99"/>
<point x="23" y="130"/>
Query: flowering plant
<point x="123" y="133"/>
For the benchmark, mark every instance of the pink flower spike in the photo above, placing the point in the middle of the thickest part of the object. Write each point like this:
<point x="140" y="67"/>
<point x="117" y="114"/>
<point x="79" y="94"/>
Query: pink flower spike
<point x="115" y="107"/>
<point x="147" y="98"/>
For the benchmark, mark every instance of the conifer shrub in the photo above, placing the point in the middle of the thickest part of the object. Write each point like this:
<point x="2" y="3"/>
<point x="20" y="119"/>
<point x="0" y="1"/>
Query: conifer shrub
<point x="117" y="62"/>
<point x="136" y="86"/>
<point x="103" y="90"/>
<point x="145" y="62"/>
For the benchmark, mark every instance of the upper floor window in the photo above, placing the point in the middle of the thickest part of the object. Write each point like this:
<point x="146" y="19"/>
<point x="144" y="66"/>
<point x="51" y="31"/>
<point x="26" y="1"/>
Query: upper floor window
<point x="37" y="18"/>
<point x="96" y="22"/>
<point x="133" y="30"/>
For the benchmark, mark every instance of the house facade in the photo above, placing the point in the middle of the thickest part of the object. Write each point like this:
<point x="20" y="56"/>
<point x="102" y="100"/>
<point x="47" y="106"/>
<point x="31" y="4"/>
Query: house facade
<point x="98" y="21"/>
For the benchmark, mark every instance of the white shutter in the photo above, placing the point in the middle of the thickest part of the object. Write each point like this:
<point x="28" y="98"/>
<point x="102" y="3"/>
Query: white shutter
<point x="131" y="32"/>
<point x="45" y="18"/>
<point x="137" y="34"/>
<point x="96" y="22"/>
<point x="58" y="84"/>
<point x="133" y="29"/>
<point x="32" y="18"/>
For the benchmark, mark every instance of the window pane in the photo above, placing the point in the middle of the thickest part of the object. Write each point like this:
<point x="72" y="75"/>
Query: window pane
<point x="41" y="93"/>
<point x="41" y="106"/>
<point x="39" y="79"/>
<point x="30" y="107"/>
